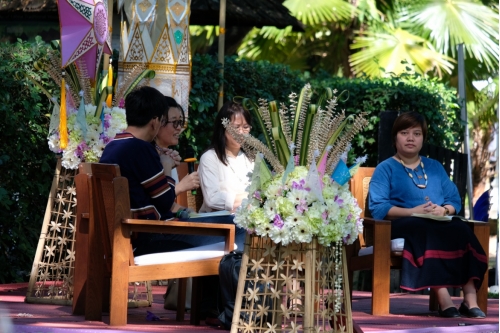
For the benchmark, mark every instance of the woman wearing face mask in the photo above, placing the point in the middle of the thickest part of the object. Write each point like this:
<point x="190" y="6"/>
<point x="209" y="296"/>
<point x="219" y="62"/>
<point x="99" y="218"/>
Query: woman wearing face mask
<point x="436" y="254"/>
<point x="224" y="167"/>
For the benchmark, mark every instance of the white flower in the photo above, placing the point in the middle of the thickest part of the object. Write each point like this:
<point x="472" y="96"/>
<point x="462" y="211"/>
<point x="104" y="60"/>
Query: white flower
<point x="90" y="148"/>
<point x="291" y="213"/>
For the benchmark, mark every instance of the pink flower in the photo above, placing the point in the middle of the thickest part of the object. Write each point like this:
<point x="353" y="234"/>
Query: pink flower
<point x="278" y="221"/>
<point x="302" y="206"/>
<point x="256" y="195"/>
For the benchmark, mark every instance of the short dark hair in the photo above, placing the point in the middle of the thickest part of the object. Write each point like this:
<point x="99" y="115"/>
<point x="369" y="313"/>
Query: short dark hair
<point x="172" y="103"/>
<point x="408" y="120"/>
<point x="228" y="110"/>
<point x="143" y="104"/>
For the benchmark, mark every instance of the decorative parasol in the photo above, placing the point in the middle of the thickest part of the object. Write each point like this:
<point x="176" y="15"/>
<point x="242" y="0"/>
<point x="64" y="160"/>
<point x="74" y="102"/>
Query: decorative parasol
<point x="84" y="33"/>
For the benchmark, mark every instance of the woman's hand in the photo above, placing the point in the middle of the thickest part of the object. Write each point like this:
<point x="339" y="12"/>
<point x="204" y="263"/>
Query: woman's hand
<point x="433" y="209"/>
<point x="238" y="200"/>
<point x="188" y="183"/>
<point x="168" y="164"/>
<point x="174" y="154"/>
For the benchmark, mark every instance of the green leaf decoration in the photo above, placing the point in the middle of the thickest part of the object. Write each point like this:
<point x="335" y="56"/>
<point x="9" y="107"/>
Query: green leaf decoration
<point x="305" y="150"/>
<point x="254" y="109"/>
<point x="104" y="93"/>
<point x="146" y="74"/>
<point x="305" y="95"/>
<point x="282" y="148"/>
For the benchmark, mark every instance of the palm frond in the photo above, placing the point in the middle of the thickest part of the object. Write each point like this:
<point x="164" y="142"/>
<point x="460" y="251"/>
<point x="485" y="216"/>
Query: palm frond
<point x="449" y="23"/>
<point x="385" y="48"/>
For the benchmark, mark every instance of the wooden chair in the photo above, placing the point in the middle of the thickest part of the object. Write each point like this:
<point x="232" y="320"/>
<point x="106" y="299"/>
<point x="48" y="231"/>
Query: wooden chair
<point x="187" y="199"/>
<point x="377" y="233"/>
<point x="110" y="251"/>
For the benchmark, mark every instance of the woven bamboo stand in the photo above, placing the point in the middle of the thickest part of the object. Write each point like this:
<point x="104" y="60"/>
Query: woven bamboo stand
<point x="51" y="279"/>
<point x="269" y="299"/>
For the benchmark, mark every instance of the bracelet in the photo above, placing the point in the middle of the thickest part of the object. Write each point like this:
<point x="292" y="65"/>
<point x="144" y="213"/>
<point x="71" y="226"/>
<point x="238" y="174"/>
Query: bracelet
<point x="179" y="213"/>
<point x="446" y="210"/>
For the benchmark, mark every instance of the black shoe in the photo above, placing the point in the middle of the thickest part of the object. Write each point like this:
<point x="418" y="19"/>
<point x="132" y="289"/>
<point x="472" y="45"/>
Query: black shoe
<point x="471" y="313"/>
<point x="451" y="312"/>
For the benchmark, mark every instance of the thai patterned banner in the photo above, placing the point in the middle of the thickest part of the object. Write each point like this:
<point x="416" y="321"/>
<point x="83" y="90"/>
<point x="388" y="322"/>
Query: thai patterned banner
<point x="155" y="34"/>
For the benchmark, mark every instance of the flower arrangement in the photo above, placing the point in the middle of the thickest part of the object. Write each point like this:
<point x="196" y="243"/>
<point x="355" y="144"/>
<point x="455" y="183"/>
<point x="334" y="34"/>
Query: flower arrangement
<point x="88" y="148"/>
<point x="81" y="133"/>
<point x="306" y="194"/>
<point x="290" y="212"/>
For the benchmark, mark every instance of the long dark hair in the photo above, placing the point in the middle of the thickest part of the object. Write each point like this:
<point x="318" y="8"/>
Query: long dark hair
<point x="228" y="110"/>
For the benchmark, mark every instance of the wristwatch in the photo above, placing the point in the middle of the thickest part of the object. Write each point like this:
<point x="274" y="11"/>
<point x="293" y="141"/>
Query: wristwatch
<point x="446" y="210"/>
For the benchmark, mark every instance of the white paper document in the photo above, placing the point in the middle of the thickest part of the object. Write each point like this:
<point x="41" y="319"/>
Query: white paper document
<point x="433" y="217"/>
<point x="217" y="213"/>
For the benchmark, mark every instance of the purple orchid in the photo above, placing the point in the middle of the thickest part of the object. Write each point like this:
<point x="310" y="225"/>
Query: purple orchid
<point x="278" y="221"/>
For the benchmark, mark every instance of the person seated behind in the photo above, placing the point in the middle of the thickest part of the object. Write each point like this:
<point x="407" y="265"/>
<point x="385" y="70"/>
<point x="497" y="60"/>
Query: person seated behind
<point x="152" y="193"/>
<point x="168" y="135"/>
<point x="436" y="254"/>
<point x="224" y="166"/>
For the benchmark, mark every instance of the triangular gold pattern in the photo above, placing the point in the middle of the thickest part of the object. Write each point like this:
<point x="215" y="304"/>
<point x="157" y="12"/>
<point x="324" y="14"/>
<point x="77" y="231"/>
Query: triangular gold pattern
<point x="136" y="51"/>
<point x="184" y="53"/>
<point x="163" y="52"/>
<point x="153" y="42"/>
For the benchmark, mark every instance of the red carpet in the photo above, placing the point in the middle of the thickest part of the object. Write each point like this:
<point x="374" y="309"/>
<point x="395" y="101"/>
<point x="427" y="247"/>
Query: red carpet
<point x="409" y="314"/>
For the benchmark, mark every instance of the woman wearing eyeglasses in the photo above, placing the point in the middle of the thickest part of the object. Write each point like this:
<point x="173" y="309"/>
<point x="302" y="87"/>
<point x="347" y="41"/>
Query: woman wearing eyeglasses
<point x="168" y="135"/>
<point x="224" y="167"/>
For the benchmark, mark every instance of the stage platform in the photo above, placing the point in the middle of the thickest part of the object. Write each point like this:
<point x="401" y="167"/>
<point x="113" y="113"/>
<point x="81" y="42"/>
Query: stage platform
<point x="409" y="314"/>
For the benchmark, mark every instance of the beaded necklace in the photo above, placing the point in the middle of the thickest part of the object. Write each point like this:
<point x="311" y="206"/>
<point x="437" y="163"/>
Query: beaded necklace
<point x="161" y="149"/>
<point x="410" y="174"/>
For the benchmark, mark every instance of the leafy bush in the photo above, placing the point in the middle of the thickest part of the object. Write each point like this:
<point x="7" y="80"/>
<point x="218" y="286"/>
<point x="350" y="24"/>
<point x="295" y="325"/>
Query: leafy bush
<point x="262" y="79"/>
<point x="26" y="164"/>
<point x="243" y="78"/>
<point x="405" y="92"/>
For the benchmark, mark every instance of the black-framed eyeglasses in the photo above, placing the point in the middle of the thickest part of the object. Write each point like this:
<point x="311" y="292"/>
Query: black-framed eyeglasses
<point x="175" y="123"/>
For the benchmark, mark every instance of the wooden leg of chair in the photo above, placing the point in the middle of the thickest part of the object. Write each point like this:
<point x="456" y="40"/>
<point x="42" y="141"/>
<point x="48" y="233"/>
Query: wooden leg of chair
<point x="81" y="244"/>
<point x="349" y="249"/>
<point x="381" y="270"/>
<point x="181" y="299"/>
<point x="119" y="278"/>
<point x="482" y="232"/>
<point x="196" y="297"/>
<point x="96" y="271"/>
<point x="81" y="264"/>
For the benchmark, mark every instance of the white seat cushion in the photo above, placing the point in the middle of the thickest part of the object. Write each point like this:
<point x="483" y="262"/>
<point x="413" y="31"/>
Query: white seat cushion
<point x="397" y="245"/>
<point x="195" y="253"/>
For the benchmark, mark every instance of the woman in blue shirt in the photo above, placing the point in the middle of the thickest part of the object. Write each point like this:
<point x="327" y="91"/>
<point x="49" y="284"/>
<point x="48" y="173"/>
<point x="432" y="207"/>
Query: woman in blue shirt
<point x="436" y="254"/>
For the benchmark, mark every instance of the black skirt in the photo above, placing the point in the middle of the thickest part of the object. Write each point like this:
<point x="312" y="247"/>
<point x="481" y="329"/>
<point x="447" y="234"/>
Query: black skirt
<point x="439" y="254"/>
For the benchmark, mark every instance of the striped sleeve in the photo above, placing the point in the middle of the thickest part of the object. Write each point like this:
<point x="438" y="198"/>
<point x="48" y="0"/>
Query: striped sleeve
<point x="157" y="185"/>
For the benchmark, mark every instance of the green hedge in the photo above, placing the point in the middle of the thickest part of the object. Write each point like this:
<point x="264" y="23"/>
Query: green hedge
<point x="274" y="81"/>
<point x="405" y="92"/>
<point x="27" y="165"/>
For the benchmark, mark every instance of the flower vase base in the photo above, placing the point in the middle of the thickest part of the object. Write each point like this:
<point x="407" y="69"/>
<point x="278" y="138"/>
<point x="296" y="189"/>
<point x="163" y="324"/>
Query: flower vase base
<point x="292" y="288"/>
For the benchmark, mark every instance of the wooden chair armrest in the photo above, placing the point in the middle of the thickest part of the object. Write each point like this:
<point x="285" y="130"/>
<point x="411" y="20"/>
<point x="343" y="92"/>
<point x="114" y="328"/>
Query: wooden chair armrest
<point x="375" y="230"/>
<point x="184" y="228"/>
<point x="373" y="222"/>
<point x="475" y="222"/>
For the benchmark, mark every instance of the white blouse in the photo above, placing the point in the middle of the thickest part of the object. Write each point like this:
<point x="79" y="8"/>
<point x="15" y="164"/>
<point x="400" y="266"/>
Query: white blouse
<point x="221" y="183"/>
